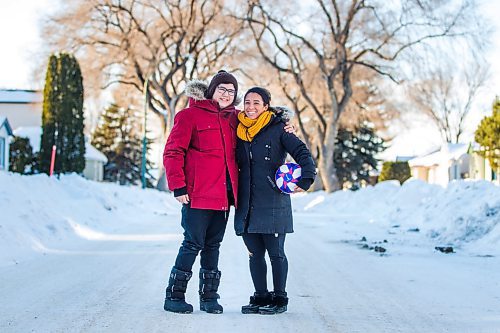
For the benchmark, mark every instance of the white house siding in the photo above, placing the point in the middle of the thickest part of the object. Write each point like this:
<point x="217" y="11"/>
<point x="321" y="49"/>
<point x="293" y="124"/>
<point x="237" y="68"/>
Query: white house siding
<point x="94" y="163"/>
<point x="93" y="170"/>
<point x="477" y="164"/>
<point x="419" y="172"/>
<point x="460" y="168"/>
<point x="481" y="169"/>
<point x="4" y="145"/>
<point x="4" y="157"/>
<point x="434" y="175"/>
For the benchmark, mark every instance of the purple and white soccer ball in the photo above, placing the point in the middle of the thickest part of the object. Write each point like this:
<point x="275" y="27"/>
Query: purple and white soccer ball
<point x="287" y="177"/>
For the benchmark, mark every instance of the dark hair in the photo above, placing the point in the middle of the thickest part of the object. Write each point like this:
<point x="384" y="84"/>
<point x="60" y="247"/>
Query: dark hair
<point x="263" y="92"/>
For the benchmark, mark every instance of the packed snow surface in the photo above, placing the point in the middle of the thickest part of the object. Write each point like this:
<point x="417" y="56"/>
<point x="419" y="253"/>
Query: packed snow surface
<point x="82" y="256"/>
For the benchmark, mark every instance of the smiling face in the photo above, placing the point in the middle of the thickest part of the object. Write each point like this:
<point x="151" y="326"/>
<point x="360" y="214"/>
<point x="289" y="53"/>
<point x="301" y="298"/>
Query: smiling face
<point x="254" y="105"/>
<point x="224" y="94"/>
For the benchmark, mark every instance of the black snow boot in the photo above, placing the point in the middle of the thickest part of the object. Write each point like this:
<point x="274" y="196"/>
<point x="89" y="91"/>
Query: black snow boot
<point x="256" y="301"/>
<point x="175" y="300"/>
<point x="278" y="304"/>
<point x="209" y="283"/>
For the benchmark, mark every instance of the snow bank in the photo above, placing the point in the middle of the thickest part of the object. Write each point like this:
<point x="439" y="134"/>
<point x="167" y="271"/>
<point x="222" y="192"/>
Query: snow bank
<point x="38" y="211"/>
<point x="463" y="212"/>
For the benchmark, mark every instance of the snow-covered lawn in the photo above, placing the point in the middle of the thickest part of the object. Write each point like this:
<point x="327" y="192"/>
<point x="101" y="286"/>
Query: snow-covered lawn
<point x="80" y="256"/>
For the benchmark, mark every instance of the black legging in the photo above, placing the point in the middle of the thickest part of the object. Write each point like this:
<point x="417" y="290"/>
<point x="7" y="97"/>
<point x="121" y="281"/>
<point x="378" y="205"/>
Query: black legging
<point x="257" y="244"/>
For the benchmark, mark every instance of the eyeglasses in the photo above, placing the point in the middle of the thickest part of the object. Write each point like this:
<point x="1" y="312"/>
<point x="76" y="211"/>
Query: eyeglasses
<point x="223" y="90"/>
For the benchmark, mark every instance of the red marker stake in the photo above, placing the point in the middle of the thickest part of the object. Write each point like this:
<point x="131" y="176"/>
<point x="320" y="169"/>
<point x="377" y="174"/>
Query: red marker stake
<point x="52" y="160"/>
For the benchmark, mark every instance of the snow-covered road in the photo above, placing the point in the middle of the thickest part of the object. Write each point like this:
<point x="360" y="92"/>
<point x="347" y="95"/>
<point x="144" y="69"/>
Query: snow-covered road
<point x="116" y="283"/>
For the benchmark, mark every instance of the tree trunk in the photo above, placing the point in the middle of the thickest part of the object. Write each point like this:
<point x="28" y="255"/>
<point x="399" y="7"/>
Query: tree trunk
<point x="327" y="171"/>
<point x="167" y="122"/>
<point x="326" y="164"/>
<point x="162" y="185"/>
<point x="318" y="183"/>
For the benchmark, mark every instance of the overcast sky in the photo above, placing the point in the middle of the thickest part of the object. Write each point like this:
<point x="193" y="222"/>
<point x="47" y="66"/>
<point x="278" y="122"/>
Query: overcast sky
<point x="19" y="32"/>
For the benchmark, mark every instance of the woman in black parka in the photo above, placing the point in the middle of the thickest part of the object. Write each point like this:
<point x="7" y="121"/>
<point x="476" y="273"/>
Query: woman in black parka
<point x="264" y="213"/>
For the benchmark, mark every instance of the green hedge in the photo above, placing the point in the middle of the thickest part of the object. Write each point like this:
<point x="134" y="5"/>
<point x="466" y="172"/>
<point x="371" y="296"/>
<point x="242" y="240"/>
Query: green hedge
<point x="21" y="156"/>
<point x="395" y="170"/>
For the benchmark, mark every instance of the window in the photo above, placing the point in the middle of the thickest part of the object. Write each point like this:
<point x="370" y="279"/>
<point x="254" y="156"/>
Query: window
<point x="2" y="153"/>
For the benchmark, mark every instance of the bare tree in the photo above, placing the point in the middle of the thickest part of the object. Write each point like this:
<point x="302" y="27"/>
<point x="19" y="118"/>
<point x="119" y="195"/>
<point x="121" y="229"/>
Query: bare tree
<point x="319" y="53"/>
<point x="126" y="42"/>
<point x="446" y="95"/>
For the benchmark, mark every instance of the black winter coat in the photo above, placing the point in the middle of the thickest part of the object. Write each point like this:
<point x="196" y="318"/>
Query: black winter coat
<point x="262" y="207"/>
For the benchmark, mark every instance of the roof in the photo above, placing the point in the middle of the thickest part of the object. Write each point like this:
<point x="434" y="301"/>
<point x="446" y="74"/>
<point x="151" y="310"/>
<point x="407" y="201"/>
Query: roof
<point x="403" y="158"/>
<point x="34" y="134"/>
<point x="93" y="154"/>
<point x="4" y="122"/>
<point x="448" y="152"/>
<point x="16" y="96"/>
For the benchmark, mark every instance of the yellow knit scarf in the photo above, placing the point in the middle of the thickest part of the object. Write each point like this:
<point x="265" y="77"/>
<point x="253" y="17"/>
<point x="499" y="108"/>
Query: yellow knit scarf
<point x="248" y="128"/>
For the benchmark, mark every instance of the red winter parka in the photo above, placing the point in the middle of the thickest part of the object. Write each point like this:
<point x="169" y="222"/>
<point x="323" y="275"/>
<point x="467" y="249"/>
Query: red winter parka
<point x="199" y="150"/>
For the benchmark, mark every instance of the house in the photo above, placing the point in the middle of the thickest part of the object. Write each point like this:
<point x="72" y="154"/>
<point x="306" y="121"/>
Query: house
<point x="448" y="163"/>
<point x="21" y="107"/>
<point x="5" y="134"/>
<point x="24" y="110"/>
<point x="94" y="159"/>
<point x="94" y="163"/>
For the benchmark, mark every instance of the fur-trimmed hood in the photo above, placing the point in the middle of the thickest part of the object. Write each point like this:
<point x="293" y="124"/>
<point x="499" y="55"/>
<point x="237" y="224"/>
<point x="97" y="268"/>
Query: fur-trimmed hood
<point x="286" y="114"/>
<point x="196" y="89"/>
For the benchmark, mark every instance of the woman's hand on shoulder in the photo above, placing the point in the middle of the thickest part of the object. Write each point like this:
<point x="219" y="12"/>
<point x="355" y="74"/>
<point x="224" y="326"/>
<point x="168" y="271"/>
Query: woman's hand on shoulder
<point x="289" y="128"/>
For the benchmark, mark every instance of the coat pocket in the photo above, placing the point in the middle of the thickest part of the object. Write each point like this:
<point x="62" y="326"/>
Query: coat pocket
<point x="209" y="137"/>
<point x="272" y="184"/>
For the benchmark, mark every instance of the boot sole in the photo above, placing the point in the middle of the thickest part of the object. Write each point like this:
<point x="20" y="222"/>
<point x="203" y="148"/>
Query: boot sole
<point x="181" y="312"/>
<point x="267" y="313"/>
<point x="264" y="312"/>
<point x="250" y="311"/>
<point x="212" y="311"/>
<point x="177" y="311"/>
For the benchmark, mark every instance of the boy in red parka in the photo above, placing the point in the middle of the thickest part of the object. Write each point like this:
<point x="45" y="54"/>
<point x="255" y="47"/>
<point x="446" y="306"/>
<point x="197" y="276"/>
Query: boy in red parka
<point x="199" y="160"/>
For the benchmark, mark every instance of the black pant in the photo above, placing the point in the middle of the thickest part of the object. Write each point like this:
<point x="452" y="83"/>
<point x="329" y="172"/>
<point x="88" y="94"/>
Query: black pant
<point x="203" y="231"/>
<point x="257" y="244"/>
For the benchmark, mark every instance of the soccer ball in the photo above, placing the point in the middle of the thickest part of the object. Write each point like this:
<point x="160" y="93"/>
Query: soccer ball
<point x="287" y="177"/>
